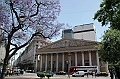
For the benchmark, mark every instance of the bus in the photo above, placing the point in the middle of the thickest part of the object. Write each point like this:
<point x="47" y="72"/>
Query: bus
<point x="86" y="69"/>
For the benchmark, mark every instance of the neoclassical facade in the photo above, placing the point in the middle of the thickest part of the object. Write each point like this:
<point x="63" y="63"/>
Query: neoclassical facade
<point x="26" y="60"/>
<point x="77" y="52"/>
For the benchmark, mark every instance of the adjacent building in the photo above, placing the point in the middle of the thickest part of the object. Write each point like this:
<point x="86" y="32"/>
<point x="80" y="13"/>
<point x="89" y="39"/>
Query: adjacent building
<point x="67" y="33"/>
<point x="85" y="32"/>
<point x="2" y="48"/>
<point x="27" y="58"/>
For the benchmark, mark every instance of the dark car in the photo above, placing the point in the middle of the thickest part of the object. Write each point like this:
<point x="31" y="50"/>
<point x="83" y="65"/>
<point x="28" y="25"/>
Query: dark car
<point x="61" y="73"/>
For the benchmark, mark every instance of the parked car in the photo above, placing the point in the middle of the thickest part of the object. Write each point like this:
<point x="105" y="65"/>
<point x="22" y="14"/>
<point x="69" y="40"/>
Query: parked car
<point x="102" y="74"/>
<point x="29" y="71"/>
<point x="78" y="73"/>
<point x="16" y="71"/>
<point x="61" y="73"/>
<point x="49" y="72"/>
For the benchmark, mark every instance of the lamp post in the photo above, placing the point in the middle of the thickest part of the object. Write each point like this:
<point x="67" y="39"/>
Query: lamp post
<point x="67" y="62"/>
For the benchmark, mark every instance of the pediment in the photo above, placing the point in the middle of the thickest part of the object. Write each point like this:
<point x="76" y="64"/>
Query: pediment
<point x="63" y="43"/>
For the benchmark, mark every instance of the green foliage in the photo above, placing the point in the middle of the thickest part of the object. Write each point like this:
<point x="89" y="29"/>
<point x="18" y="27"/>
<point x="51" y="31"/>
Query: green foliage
<point x="109" y="13"/>
<point x="110" y="46"/>
<point x="40" y="74"/>
<point x="43" y="74"/>
<point x="48" y="75"/>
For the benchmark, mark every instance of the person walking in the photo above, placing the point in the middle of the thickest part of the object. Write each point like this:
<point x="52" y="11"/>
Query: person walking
<point x="115" y="75"/>
<point x="111" y="74"/>
<point x="95" y="73"/>
<point x="8" y="72"/>
<point x="11" y="72"/>
<point x="92" y="74"/>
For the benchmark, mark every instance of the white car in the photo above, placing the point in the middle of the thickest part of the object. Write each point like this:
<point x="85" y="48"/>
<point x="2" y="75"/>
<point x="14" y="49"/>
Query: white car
<point x="16" y="71"/>
<point x="78" y="73"/>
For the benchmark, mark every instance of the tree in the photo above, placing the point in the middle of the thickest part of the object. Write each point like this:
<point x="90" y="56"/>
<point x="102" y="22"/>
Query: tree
<point x="21" y="18"/>
<point x="110" y="49"/>
<point x="110" y="45"/>
<point x="109" y="13"/>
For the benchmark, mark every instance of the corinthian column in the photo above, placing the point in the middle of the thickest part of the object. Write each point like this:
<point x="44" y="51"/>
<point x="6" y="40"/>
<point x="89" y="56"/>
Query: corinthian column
<point x="75" y="58"/>
<point x="41" y="62"/>
<point x="90" y="61"/>
<point x="63" y="61"/>
<point x="82" y="58"/>
<point x="57" y="63"/>
<point x="46" y="63"/>
<point x="51" y="62"/>
<point x="97" y="58"/>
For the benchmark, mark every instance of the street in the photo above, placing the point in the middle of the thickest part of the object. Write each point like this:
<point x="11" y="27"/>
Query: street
<point x="34" y="76"/>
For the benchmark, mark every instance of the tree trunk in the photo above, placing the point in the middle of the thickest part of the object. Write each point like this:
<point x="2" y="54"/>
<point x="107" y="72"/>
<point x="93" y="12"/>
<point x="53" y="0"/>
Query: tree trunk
<point x="3" y="71"/>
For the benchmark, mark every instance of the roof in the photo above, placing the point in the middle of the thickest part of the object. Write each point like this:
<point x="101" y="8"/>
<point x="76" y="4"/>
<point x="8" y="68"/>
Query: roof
<point x="68" y="45"/>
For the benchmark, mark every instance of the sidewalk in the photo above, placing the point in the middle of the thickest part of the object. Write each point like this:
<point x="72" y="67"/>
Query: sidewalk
<point x="34" y="77"/>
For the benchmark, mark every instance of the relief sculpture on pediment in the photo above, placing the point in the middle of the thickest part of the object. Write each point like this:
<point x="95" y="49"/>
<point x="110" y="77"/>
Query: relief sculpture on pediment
<point x="70" y="43"/>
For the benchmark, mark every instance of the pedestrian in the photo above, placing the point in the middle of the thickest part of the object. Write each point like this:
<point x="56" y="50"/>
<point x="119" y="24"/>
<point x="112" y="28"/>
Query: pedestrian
<point x="87" y="73"/>
<point x="115" y="75"/>
<point x="111" y="74"/>
<point x="11" y="72"/>
<point x="95" y="73"/>
<point x="8" y="72"/>
<point x="92" y="74"/>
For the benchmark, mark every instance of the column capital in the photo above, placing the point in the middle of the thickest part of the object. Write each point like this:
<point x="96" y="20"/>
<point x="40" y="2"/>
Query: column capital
<point x="69" y="54"/>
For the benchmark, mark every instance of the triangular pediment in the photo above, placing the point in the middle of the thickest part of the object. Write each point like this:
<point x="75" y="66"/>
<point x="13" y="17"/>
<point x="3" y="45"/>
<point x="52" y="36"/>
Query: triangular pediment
<point x="65" y="43"/>
<point x="71" y="43"/>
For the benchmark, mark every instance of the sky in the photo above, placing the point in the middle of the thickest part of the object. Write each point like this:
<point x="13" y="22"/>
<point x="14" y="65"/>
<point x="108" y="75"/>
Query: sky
<point x="79" y="12"/>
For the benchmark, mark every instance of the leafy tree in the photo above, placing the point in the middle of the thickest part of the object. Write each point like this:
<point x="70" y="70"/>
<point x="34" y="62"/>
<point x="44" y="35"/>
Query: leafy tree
<point x="19" y="20"/>
<point x="109" y="13"/>
<point x="109" y="46"/>
<point x="110" y="49"/>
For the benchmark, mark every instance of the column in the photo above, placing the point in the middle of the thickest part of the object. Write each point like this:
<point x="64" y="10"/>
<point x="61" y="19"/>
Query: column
<point x="97" y="58"/>
<point x="36" y="63"/>
<point x="57" y="62"/>
<point x="41" y="62"/>
<point x="63" y="61"/>
<point x="90" y="61"/>
<point x="46" y="63"/>
<point x="82" y="58"/>
<point x="75" y="58"/>
<point x="51" y="62"/>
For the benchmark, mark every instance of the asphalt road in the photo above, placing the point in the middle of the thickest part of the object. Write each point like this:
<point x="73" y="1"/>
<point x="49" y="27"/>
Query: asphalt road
<point x="34" y="76"/>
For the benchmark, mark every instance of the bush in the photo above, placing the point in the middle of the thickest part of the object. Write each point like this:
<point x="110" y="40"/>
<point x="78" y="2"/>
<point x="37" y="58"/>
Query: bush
<point x="43" y="74"/>
<point x="40" y="74"/>
<point x="48" y="75"/>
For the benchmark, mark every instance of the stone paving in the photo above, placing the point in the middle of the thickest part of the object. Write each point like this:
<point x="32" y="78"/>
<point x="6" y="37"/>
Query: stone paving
<point x="35" y="77"/>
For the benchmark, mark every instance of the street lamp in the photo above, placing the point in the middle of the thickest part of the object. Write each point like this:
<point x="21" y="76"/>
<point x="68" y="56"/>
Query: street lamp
<point x="67" y="62"/>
